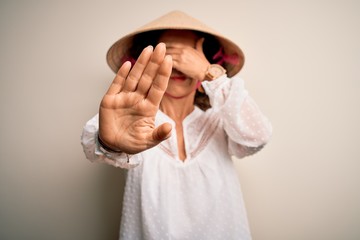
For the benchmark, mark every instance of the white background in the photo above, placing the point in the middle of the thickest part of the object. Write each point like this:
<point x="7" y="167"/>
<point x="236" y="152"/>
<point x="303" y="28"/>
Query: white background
<point x="302" y="67"/>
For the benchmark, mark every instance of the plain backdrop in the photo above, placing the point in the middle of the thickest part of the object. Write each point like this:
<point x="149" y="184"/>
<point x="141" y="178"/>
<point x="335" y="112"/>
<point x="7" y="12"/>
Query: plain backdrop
<point x="302" y="67"/>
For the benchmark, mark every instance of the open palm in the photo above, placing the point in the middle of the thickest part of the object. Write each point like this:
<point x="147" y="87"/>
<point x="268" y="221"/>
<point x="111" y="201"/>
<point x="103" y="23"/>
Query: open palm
<point x="127" y="111"/>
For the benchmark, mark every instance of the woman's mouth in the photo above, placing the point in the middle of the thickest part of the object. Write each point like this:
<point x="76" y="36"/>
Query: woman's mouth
<point x="179" y="78"/>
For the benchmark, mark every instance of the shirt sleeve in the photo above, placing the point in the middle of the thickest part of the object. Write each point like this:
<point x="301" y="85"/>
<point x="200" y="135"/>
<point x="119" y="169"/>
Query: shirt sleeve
<point x="247" y="128"/>
<point x="95" y="153"/>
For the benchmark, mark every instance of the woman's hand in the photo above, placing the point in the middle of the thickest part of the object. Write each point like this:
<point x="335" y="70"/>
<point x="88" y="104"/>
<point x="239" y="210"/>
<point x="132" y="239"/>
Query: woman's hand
<point x="190" y="61"/>
<point x="127" y="111"/>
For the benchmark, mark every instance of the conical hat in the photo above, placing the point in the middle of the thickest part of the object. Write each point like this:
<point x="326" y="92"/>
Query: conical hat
<point x="175" y="20"/>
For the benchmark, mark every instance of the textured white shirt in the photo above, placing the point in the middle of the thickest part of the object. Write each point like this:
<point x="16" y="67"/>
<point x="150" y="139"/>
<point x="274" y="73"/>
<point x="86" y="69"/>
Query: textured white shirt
<point x="199" y="198"/>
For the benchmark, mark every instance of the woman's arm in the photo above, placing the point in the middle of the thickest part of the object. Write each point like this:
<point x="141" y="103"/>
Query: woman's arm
<point x="246" y="126"/>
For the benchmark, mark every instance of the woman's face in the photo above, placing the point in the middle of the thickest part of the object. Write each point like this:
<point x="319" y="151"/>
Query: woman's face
<point x="180" y="85"/>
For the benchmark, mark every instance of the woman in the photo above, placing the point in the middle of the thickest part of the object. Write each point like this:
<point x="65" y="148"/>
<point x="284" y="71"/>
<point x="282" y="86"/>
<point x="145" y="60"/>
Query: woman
<point x="174" y="118"/>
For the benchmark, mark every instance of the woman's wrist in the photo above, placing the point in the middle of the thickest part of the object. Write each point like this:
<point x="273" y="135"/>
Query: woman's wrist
<point x="106" y="147"/>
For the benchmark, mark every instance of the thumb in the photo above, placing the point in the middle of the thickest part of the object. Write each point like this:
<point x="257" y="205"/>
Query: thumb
<point x="199" y="44"/>
<point x="162" y="132"/>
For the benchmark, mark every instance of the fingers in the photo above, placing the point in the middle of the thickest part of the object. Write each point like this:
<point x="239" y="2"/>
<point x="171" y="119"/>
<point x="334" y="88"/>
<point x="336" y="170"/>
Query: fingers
<point x="175" y="50"/>
<point x="149" y="76"/>
<point x="186" y="57"/>
<point x="160" y="82"/>
<point x="145" y="70"/>
<point x="138" y="69"/>
<point x="119" y="79"/>
<point x="151" y="69"/>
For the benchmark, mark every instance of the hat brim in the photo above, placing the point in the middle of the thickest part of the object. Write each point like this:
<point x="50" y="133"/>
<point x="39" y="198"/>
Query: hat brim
<point x="178" y="21"/>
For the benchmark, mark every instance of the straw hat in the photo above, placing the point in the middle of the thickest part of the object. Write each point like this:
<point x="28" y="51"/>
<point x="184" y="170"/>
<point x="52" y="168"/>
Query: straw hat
<point x="181" y="21"/>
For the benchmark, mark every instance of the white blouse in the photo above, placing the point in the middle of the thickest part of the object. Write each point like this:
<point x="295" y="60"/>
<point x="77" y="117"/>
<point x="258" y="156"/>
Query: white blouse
<point x="199" y="198"/>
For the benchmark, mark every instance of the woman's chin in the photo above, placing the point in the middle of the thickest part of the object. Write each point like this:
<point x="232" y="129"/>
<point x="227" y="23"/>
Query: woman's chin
<point x="178" y="95"/>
